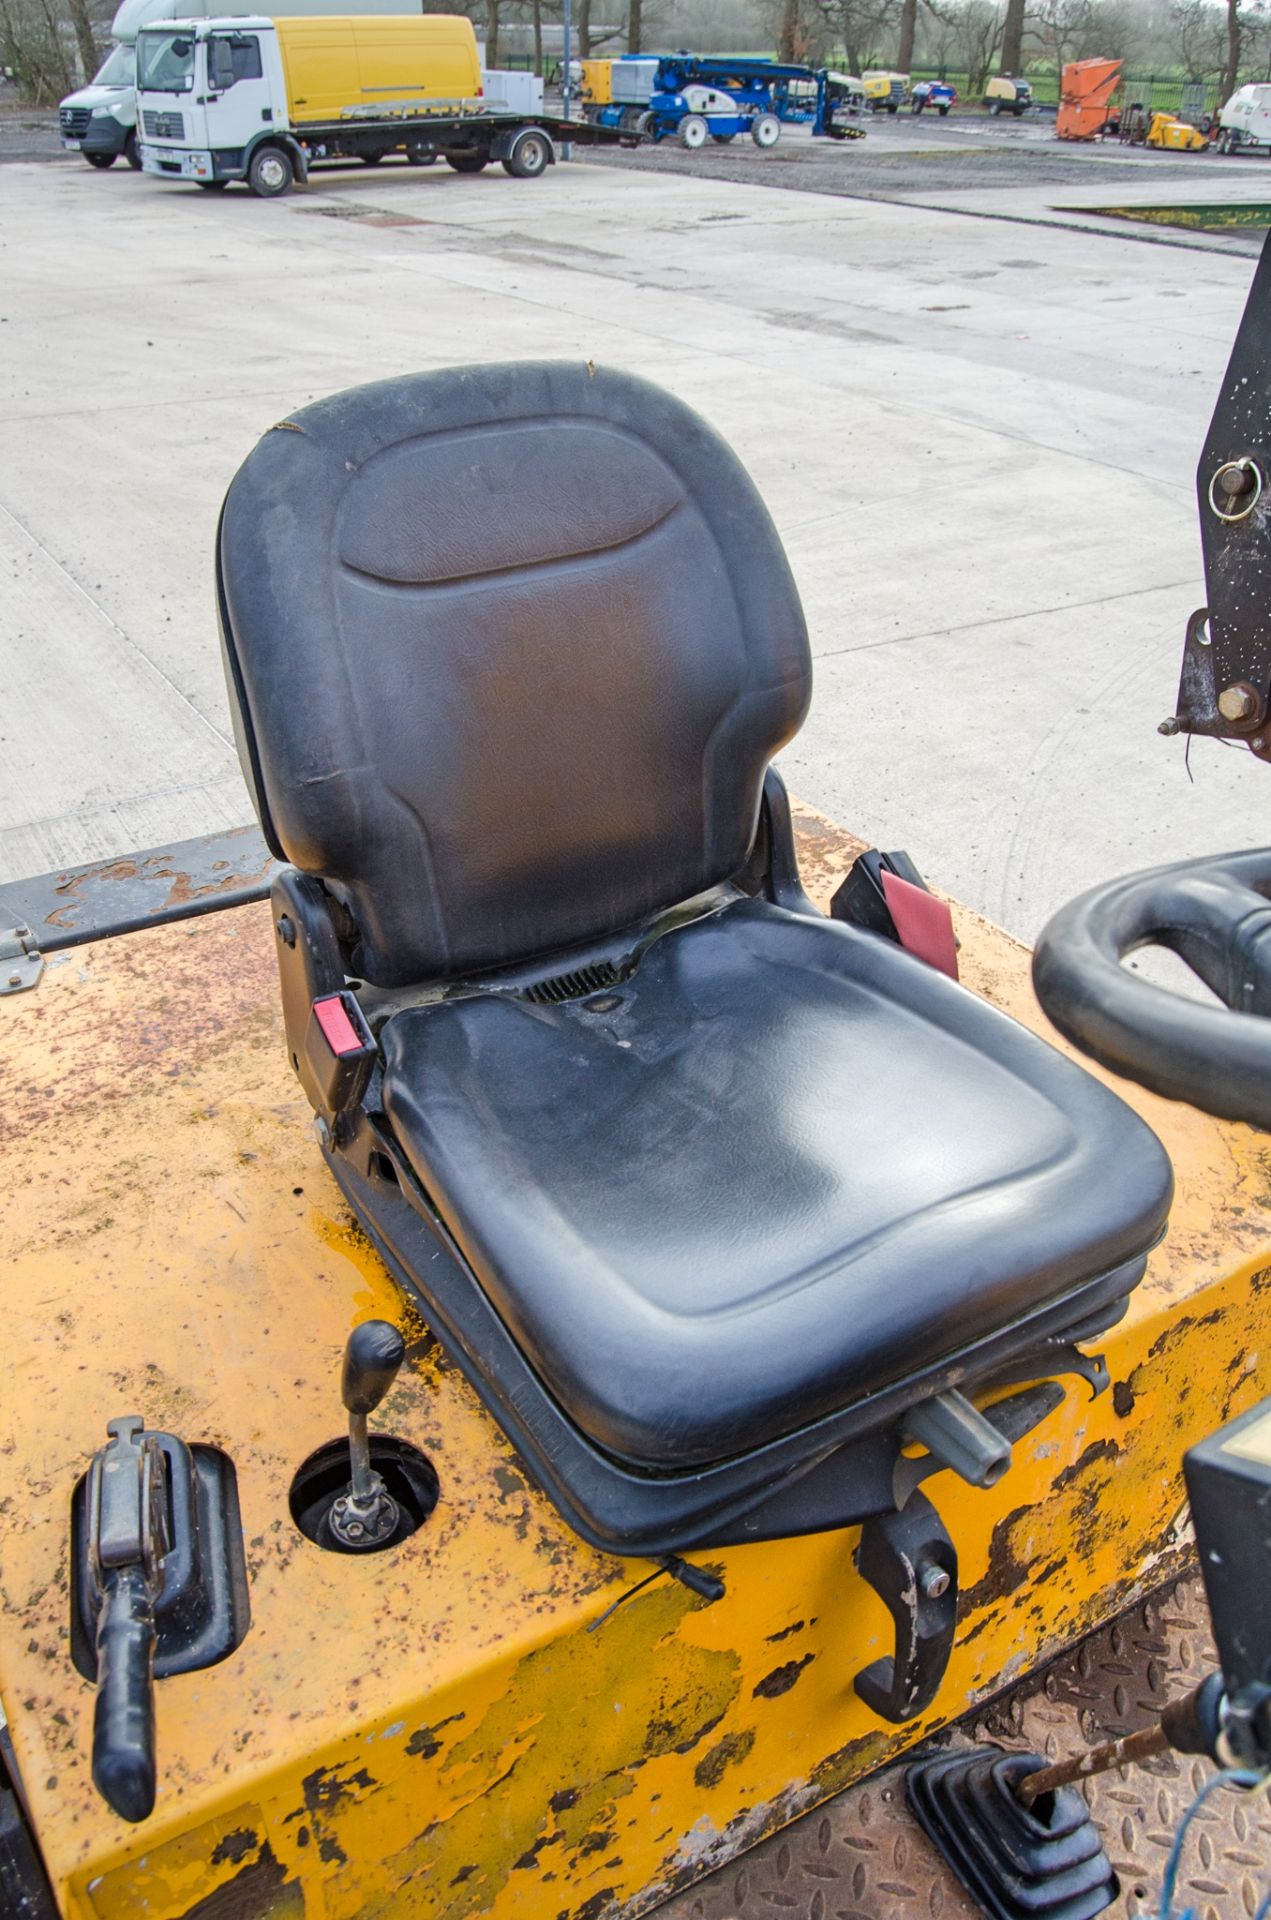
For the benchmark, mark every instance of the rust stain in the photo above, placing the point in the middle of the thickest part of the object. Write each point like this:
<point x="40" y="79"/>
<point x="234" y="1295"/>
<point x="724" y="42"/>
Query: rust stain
<point x="728" y="1752"/>
<point x="781" y="1679"/>
<point x="260" y="1891"/>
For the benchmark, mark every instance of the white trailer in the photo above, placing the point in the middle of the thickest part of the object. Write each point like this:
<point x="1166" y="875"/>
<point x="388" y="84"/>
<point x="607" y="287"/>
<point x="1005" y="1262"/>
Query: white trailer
<point x="1245" y="121"/>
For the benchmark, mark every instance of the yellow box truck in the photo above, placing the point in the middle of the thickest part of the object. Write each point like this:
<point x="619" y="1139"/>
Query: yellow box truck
<point x="260" y="100"/>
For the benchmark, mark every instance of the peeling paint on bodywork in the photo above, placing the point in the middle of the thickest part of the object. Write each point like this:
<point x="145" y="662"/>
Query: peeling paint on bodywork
<point x="430" y="1733"/>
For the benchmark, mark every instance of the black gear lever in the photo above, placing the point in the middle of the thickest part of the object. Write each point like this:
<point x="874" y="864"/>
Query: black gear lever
<point x="366" y="1515"/>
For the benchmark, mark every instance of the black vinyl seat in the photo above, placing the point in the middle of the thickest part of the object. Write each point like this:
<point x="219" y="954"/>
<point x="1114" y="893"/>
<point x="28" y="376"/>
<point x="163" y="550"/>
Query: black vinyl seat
<point x="779" y="1167"/>
<point x="707" y="1194"/>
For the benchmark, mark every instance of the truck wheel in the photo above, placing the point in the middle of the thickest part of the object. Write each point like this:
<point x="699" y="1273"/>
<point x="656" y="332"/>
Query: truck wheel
<point x="421" y="156"/>
<point x="466" y="162"/>
<point x="1019" y="112"/>
<point x="942" y="111"/>
<point x="213" y="186"/>
<point x="530" y="155"/>
<point x="270" y="172"/>
<point x="101" y="160"/>
<point x="370" y="159"/>
<point x="893" y="106"/>
<point x="132" y="152"/>
<point x="693" y="132"/>
<point x="765" y="130"/>
<point x="995" y="107"/>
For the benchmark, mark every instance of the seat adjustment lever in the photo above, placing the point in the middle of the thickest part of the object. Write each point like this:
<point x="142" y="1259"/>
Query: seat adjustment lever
<point x="912" y="1565"/>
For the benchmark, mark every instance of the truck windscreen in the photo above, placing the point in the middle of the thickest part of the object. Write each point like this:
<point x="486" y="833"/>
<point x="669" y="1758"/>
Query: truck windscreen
<point x="118" y="69"/>
<point x="165" y="62"/>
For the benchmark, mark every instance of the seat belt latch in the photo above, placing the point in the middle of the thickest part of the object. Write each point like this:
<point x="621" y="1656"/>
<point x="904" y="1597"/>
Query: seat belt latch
<point x="885" y="893"/>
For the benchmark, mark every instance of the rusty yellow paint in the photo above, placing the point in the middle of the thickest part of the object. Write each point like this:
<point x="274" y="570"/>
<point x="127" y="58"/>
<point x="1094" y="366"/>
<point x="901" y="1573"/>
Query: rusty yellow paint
<point x="434" y="1733"/>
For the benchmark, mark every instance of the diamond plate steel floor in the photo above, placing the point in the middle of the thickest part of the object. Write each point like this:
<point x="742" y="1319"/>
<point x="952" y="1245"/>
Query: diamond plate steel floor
<point x="862" y="1856"/>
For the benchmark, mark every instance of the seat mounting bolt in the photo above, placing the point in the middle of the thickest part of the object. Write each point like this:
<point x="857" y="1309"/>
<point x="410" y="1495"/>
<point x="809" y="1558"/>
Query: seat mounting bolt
<point x="933" y="1580"/>
<point x="1238" y="701"/>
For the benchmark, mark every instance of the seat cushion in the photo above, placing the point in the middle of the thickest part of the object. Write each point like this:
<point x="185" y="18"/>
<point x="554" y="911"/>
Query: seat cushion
<point x="781" y="1167"/>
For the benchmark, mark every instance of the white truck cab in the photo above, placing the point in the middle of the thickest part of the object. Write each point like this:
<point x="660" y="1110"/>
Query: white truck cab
<point x="208" y="91"/>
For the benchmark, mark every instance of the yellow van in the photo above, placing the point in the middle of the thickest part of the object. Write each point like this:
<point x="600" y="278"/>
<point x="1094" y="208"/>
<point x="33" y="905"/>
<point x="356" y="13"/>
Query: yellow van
<point x="373" y="60"/>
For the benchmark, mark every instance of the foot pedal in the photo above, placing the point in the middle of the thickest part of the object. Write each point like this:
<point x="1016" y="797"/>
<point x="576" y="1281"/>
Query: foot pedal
<point x="1040" y="1863"/>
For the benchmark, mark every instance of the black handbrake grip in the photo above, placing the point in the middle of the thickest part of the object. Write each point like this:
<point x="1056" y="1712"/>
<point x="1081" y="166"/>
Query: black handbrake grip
<point x="123" y="1719"/>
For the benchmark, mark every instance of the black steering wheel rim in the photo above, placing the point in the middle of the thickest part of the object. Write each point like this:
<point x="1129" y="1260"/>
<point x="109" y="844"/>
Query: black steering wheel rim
<point x="1215" y="913"/>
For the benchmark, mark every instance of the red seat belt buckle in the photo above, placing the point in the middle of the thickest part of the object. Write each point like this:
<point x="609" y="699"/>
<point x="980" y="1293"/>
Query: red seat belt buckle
<point x="339" y="1054"/>
<point x="924" y="924"/>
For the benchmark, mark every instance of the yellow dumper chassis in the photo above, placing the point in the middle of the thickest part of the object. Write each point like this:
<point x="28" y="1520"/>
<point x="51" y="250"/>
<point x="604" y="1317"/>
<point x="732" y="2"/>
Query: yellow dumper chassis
<point x="468" y="1724"/>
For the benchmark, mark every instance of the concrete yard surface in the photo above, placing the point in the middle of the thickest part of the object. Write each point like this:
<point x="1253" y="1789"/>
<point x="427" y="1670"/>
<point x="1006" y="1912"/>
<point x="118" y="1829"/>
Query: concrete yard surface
<point x="977" y="436"/>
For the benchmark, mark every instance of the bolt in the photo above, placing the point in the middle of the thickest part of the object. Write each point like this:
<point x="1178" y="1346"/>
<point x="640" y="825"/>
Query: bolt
<point x="1259" y="745"/>
<point x="1236" y="480"/>
<point x="934" y="1581"/>
<point x="287" y="930"/>
<point x="322" y="1133"/>
<point x="341" y="1504"/>
<point x="1238" y="702"/>
<point x="15" y="979"/>
<point x="355" y="1530"/>
<point x="1169" y="727"/>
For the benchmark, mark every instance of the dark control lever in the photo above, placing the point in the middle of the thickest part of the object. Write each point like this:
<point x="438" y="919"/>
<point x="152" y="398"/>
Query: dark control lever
<point x="366" y="1516"/>
<point x="128" y="1540"/>
<point x="158" y="1586"/>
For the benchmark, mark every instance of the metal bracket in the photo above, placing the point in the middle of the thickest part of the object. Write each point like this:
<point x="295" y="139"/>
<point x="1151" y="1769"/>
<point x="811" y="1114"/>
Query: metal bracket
<point x="912" y="1565"/>
<point x="21" y="962"/>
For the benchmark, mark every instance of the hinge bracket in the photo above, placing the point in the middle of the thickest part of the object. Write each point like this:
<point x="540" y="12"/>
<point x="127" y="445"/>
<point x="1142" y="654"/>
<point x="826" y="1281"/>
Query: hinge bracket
<point x="21" y="962"/>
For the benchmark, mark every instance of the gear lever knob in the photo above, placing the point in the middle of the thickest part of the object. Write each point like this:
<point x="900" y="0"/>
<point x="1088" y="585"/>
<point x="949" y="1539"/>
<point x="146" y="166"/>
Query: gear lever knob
<point x="366" y="1516"/>
<point x="372" y="1360"/>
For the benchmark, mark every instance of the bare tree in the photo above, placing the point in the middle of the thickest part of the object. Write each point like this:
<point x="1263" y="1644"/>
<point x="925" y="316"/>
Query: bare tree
<point x="1061" y="29"/>
<point x="32" y="44"/>
<point x="908" y="28"/>
<point x="1231" y="76"/>
<point x="979" y="36"/>
<point x="862" y="27"/>
<point x="1012" y="40"/>
<point x="1196" y="38"/>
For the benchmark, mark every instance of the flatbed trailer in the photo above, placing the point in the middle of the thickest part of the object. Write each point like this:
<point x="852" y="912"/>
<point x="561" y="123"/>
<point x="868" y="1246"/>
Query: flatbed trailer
<point x="468" y="142"/>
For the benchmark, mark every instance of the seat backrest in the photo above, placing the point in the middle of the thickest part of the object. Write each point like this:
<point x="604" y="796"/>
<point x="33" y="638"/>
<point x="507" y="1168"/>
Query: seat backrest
<point x="509" y="650"/>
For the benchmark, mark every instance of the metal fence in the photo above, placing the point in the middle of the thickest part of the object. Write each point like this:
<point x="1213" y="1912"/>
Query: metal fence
<point x="1166" y="93"/>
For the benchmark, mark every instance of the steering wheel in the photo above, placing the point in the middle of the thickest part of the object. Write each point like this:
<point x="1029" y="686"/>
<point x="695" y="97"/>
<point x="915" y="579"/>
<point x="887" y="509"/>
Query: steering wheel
<point x="1215" y="914"/>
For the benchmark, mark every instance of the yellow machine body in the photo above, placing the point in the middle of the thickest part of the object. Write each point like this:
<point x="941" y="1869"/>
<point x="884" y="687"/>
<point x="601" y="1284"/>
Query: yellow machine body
<point x="1178" y="136"/>
<point x="335" y="63"/>
<point x="595" y="83"/>
<point x="459" y="1727"/>
<point x="882" y="88"/>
